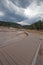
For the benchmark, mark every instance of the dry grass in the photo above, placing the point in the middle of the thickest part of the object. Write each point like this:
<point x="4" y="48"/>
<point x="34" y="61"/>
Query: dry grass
<point x="36" y="31"/>
<point x="31" y="31"/>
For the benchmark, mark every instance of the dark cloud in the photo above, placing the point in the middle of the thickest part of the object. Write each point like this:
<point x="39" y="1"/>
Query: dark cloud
<point x="21" y="10"/>
<point x="21" y="3"/>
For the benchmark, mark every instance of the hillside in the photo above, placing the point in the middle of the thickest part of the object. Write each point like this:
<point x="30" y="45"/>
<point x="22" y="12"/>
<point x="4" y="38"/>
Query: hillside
<point x="37" y="25"/>
<point x="10" y="24"/>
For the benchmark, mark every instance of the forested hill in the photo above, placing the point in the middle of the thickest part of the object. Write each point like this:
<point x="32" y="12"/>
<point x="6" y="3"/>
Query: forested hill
<point x="9" y="24"/>
<point x="38" y="25"/>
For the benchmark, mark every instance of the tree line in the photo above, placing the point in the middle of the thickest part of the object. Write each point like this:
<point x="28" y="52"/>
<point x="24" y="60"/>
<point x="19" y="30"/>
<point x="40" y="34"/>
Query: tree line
<point x="9" y="24"/>
<point x="37" y="25"/>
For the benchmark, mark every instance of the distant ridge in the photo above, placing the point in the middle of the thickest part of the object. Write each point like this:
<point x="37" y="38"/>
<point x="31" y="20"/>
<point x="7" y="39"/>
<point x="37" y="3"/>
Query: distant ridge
<point x="37" y="25"/>
<point x="10" y="24"/>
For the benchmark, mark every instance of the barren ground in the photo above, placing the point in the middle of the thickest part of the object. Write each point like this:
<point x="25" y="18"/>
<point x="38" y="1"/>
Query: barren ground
<point x="10" y="48"/>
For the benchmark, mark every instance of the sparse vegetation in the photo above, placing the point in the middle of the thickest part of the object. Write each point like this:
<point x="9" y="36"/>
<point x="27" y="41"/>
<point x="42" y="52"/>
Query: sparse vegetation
<point x="36" y="26"/>
<point x="10" y="24"/>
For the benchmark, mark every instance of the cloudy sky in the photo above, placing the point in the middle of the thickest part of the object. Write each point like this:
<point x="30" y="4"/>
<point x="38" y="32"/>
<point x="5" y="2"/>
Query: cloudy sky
<point x="21" y="11"/>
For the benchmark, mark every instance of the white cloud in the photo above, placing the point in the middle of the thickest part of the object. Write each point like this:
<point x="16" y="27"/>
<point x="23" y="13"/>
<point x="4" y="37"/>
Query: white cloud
<point x="5" y="3"/>
<point x="23" y="23"/>
<point x="1" y="14"/>
<point x="31" y="11"/>
<point x="13" y="8"/>
<point x="34" y="9"/>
